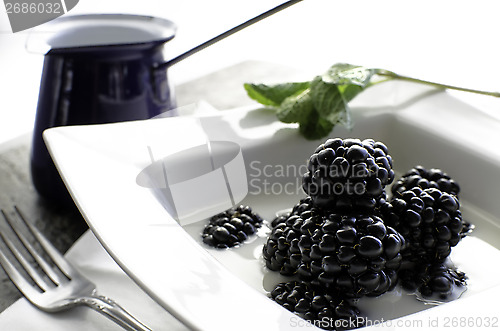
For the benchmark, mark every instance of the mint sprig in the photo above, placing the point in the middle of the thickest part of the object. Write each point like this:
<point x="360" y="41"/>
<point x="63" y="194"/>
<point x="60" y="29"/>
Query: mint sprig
<point x="317" y="106"/>
<point x="320" y="104"/>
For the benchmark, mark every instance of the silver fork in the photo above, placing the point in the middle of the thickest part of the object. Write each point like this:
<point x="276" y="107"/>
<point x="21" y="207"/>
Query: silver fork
<point x="55" y="284"/>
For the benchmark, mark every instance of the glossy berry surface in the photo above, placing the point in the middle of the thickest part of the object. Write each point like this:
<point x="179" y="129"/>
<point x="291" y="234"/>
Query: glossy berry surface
<point x="352" y="255"/>
<point x="283" y="242"/>
<point x="326" y="310"/>
<point x="348" y="174"/>
<point x="424" y="178"/>
<point x="430" y="220"/>
<point x="231" y="227"/>
<point x="432" y="280"/>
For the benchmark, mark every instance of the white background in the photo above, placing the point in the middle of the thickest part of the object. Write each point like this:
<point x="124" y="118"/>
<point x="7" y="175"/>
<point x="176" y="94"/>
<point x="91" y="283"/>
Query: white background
<point x="453" y="42"/>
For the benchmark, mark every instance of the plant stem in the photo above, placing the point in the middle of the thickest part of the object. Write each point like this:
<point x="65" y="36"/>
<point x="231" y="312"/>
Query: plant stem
<point x="393" y="75"/>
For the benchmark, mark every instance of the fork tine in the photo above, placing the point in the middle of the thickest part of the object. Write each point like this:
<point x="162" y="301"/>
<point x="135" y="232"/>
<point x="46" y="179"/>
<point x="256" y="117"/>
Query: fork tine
<point x="77" y="290"/>
<point x="64" y="266"/>
<point x="26" y="265"/>
<point x="56" y="278"/>
<point x="21" y="283"/>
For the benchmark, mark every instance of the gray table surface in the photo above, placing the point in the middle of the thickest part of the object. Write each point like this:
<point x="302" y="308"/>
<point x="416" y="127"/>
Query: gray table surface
<point x="222" y="89"/>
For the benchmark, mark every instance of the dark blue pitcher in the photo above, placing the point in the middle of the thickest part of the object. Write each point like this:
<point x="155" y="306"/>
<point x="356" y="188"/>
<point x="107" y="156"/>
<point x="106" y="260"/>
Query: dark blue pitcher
<point x="98" y="69"/>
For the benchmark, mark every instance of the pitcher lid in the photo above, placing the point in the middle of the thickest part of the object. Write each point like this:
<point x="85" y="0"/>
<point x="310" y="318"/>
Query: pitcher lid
<point x="80" y="31"/>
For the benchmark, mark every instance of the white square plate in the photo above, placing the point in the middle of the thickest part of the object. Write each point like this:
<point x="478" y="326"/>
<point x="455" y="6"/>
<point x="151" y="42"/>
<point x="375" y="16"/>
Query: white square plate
<point x="209" y="289"/>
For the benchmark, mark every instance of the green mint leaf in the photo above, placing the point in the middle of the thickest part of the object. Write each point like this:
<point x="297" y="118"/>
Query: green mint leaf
<point x="315" y="127"/>
<point x="348" y="74"/>
<point x="329" y="102"/>
<point x="296" y="108"/>
<point x="318" y="105"/>
<point x="348" y="92"/>
<point x="274" y="95"/>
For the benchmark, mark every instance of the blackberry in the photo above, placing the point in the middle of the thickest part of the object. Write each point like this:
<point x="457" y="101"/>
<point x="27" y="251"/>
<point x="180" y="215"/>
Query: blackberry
<point x="421" y="177"/>
<point x="348" y="174"/>
<point x="231" y="227"/>
<point x="430" y="220"/>
<point x="281" y="251"/>
<point x="432" y="280"/>
<point x="322" y="309"/>
<point x="354" y="255"/>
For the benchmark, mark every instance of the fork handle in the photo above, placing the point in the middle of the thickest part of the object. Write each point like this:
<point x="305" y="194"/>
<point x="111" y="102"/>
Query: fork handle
<point x="113" y="311"/>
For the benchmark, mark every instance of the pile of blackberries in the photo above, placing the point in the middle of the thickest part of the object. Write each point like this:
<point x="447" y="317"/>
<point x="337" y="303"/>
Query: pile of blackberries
<point x="334" y="239"/>
<point x="425" y="209"/>
<point x="347" y="240"/>
<point x="231" y="227"/>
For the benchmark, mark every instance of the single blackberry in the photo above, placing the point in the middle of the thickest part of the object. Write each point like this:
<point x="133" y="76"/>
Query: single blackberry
<point x="419" y="176"/>
<point x="348" y="174"/>
<point x="320" y="308"/>
<point x="283" y="242"/>
<point x="432" y="280"/>
<point x="430" y="220"/>
<point x="231" y="227"/>
<point x="354" y="255"/>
